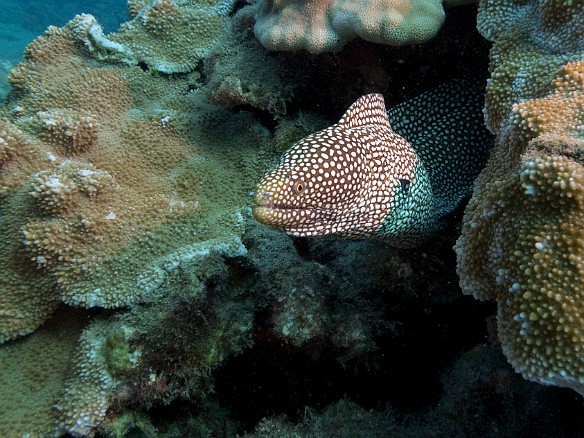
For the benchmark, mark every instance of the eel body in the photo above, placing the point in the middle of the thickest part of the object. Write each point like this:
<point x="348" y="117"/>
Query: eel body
<point x="359" y="178"/>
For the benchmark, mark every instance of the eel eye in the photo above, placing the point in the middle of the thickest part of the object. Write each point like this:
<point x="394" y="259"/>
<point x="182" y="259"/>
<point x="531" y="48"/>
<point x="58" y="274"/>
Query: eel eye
<point x="298" y="187"/>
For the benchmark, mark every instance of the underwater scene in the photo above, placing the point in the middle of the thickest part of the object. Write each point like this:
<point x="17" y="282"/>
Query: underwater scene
<point x="293" y="218"/>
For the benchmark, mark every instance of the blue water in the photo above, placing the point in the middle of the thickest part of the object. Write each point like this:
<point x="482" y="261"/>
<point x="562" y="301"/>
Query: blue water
<point x="21" y="21"/>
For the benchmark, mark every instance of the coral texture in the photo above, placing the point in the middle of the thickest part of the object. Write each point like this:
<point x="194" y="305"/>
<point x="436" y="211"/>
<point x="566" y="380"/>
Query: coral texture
<point x="327" y="25"/>
<point x="84" y="401"/>
<point x="173" y="36"/>
<point x="241" y="72"/>
<point x="169" y="36"/>
<point x="34" y="371"/>
<point x="103" y="192"/>
<point x="522" y="243"/>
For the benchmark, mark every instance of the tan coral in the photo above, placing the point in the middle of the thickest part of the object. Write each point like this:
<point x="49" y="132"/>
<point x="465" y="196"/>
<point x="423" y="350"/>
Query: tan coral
<point x="135" y="6"/>
<point x="522" y="243"/>
<point x="72" y="132"/>
<point x="20" y="155"/>
<point x="561" y="111"/>
<point x="84" y="402"/>
<point x="88" y="219"/>
<point x="327" y="25"/>
<point x="29" y="391"/>
<point x="59" y="190"/>
<point x="529" y="235"/>
<point x="169" y="36"/>
<point x="10" y="141"/>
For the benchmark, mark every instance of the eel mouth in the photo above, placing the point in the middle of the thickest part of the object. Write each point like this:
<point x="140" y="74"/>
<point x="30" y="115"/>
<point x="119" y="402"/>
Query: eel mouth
<point x="278" y="207"/>
<point x="268" y="213"/>
<point x="281" y="215"/>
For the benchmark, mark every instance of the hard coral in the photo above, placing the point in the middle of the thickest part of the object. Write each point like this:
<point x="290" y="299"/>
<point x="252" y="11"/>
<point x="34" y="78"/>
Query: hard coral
<point x="86" y="396"/>
<point x="522" y="243"/>
<point x="169" y="36"/>
<point x="327" y="25"/>
<point x="34" y="370"/>
<point x="73" y="132"/>
<point x="241" y="72"/>
<point x="58" y="190"/>
<point x="104" y="192"/>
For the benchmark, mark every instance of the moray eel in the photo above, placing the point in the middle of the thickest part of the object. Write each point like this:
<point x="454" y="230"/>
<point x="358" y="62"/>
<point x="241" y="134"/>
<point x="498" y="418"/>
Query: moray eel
<point x="359" y="178"/>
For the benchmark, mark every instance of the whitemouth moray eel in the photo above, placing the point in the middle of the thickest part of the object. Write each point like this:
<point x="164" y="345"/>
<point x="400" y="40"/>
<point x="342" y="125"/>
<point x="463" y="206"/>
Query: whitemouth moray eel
<point x="359" y="178"/>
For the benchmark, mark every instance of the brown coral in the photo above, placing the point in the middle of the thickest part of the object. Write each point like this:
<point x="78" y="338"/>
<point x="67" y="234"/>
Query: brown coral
<point x="29" y="391"/>
<point x="107" y="174"/>
<point x="169" y="36"/>
<point x="84" y="401"/>
<point x="522" y="242"/>
<point x="72" y="132"/>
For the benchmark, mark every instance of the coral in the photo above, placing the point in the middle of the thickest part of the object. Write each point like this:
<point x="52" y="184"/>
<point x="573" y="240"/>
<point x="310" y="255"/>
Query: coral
<point x="312" y="303"/>
<point x="34" y="371"/>
<point x="169" y="36"/>
<point x="103" y="191"/>
<point x="326" y="25"/>
<point x="522" y="242"/>
<point x="196" y="324"/>
<point x="10" y="141"/>
<point x="343" y="418"/>
<point x="150" y="355"/>
<point x="86" y="394"/>
<point x="72" y="132"/>
<point x="56" y="190"/>
<point x="480" y="396"/>
<point x="541" y="35"/>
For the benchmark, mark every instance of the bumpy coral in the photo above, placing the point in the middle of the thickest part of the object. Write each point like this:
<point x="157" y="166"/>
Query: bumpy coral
<point x="327" y="25"/>
<point x="542" y="38"/>
<point x="522" y="242"/>
<point x="169" y="36"/>
<point x="29" y="391"/>
<point x="10" y="140"/>
<point x="561" y="112"/>
<point x="72" y="132"/>
<point x="104" y="192"/>
<point x="530" y="230"/>
<point x="56" y="191"/>
<point x="85" y="398"/>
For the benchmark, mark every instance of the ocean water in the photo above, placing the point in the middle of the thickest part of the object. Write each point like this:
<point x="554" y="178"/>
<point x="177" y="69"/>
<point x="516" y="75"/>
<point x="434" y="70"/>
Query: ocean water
<point x="21" y="21"/>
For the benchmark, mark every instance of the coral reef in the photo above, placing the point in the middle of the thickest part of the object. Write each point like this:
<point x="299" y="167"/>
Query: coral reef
<point x="242" y="73"/>
<point x="155" y="354"/>
<point x="106" y="190"/>
<point x="124" y="192"/>
<point x="85" y="397"/>
<point x="324" y="25"/>
<point x="169" y="36"/>
<point x="522" y="242"/>
<point x="34" y="372"/>
<point x="479" y="397"/>
<point x="310" y="303"/>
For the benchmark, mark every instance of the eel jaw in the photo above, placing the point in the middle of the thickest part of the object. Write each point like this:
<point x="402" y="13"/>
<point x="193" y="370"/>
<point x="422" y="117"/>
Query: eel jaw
<point x="268" y="214"/>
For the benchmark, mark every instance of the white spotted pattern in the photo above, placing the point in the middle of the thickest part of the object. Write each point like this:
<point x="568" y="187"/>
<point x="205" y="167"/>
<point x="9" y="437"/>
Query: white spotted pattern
<point x="359" y="178"/>
<point x="341" y="180"/>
